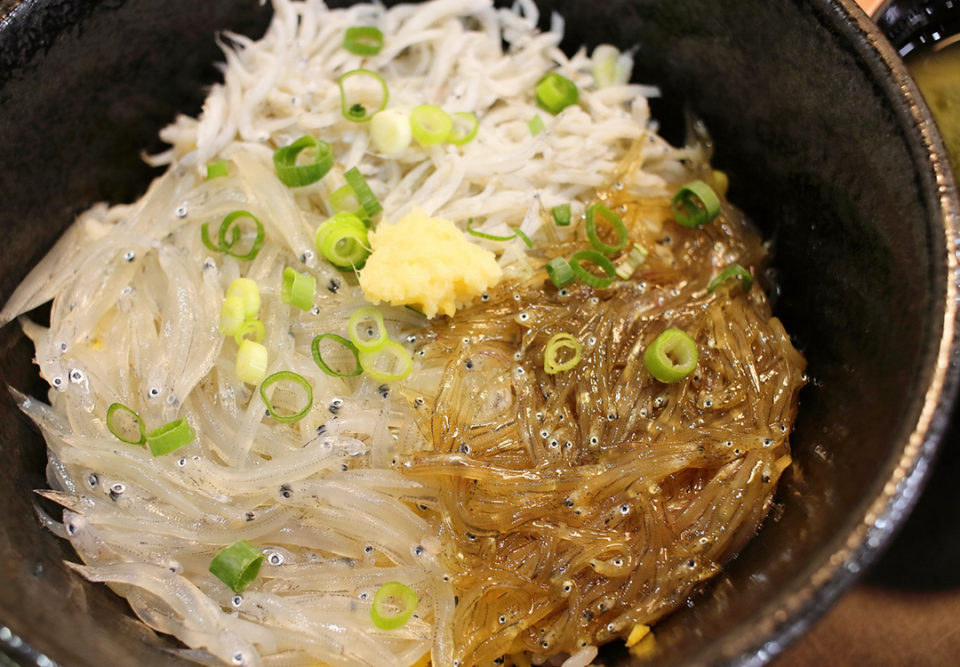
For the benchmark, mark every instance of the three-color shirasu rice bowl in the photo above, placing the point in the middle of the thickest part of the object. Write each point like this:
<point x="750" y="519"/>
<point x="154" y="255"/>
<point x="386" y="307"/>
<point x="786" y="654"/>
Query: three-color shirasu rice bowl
<point x="424" y="348"/>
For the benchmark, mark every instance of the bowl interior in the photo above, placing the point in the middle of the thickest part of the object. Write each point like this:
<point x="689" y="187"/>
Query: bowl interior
<point x="813" y="129"/>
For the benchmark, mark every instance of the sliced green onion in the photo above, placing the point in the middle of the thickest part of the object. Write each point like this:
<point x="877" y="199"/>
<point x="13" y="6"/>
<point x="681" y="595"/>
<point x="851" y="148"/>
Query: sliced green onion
<point x="559" y="343"/>
<point x="604" y="61"/>
<point x="170" y="437"/>
<point x="559" y="272"/>
<point x="388" y="363"/>
<point x="636" y="257"/>
<point x="226" y="246"/>
<point x="390" y="131"/>
<point x="597" y="259"/>
<point x="251" y="364"/>
<point x="672" y="356"/>
<point x="254" y="327"/>
<point x="556" y="92"/>
<point x="484" y="235"/>
<point x="248" y="292"/>
<point x="465" y="128"/>
<point x="125" y="425"/>
<point x="343" y="200"/>
<point x="561" y="215"/>
<point x="297" y="289"/>
<point x="536" y="125"/>
<point x="295" y="175"/>
<point x="355" y="111"/>
<point x="237" y="565"/>
<point x="363" y="40"/>
<point x="232" y="316"/>
<point x="615" y="222"/>
<point x="393" y="605"/>
<point x="342" y="240"/>
<point x="430" y="124"/>
<point x="519" y="233"/>
<point x="695" y="204"/>
<point x="325" y="367"/>
<point x="365" y="195"/>
<point x="290" y="376"/>
<point x="217" y="169"/>
<point x="375" y="340"/>
<point x="721" y="182"/>
<point x="733" y="271"/>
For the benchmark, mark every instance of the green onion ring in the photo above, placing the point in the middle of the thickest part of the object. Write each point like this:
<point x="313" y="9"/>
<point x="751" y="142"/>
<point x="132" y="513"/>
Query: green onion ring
<point x="342" y="240"/>
<point x="519" y="233"/>
<point x="295" y="175"/>
<point x="297" y="289"/>
<point x="589" y="278"/>
<point x="555" y="92"/>
<point x="430" y="124"/>
<point x="404" y="595"/>
<point x="561" y="215"/>
<point x="343" y="200"/>
<point x="363" y="192"/>
<point x="460" y="138"/>
<point x="170" y="437"/>
<point x="217" y="169"/>
<point x="363" y="40"/>
<point x="744" y="277"/>
<point x="561" y="341"/>
<point x="235" y="234"/>
<point x="615" y="222"/>
<point x="368" y="344"/>
<point x="672" y="356"/>
<point x="280" y="376"/>
<point x="560" y="272"/>
<point x="356" y="112"/>
<point x="404" y="363"/>
<point x="695" y="204"/>
<point x="237" y="565"/>
<point x="484" y="235"/>
<point x="114" y="428"/>
<point x="251" y="326"/>
<point x="535" y="125"/>
<point x="318" y="358"/>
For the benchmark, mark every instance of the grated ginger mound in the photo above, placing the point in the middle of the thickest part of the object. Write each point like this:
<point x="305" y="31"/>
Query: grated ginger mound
<point x="427" y="263"/>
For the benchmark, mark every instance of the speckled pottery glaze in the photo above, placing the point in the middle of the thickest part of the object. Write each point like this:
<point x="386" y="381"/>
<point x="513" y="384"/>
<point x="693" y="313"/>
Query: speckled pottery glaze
<point x="829" y="149"/>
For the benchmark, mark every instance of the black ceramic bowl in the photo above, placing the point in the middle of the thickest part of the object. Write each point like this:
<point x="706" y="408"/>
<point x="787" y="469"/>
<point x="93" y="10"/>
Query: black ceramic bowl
<point x="829" y="150"/>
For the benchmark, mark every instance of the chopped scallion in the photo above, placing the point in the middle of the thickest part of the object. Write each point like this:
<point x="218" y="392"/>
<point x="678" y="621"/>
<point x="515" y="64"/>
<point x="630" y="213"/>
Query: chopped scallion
<point x="295" y="175"/>
<point x="251" y="364"/>
<point x="226" y="246"/>
<point x="343" y="200"/>
<point x="231" y="316"/>
<point x="556" y="92"/>
<point x="363" y="192"/>
<point x="363" y="40"/>
<point x="374" y="334"/>
<point x="465" y="128"/>
<point x="636" y="257"/>
<point x="589" y="278"/>
<point x="615" y="221"/>
<point x="672" y="356"/>
<point x="388" y="363"/>
<point x="390" y="131"/>
<point x="297" y="289"/>
<point x="247" y="292"/>
<point x="325" y="367"/>
<point x="695" y="204"/>
<point x="536" y="125"/>
<point x="250" y="327"/>
<point x="561" y="215"/>
<point x="217" y="169"/>
<point x="342" y="240"/>
<point x="237" y="565"/>
<point x="170" y="437"/>
<point x="430" y="125"/>
<point x="295" y="378"/>
<point x="560" y="272"/>
<point x="125" y="425"/>
<point x="561" y="344"/>
<point x="362" y="88"/>
<point x="744" y="277"/>
<point x="393" y="605"/>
